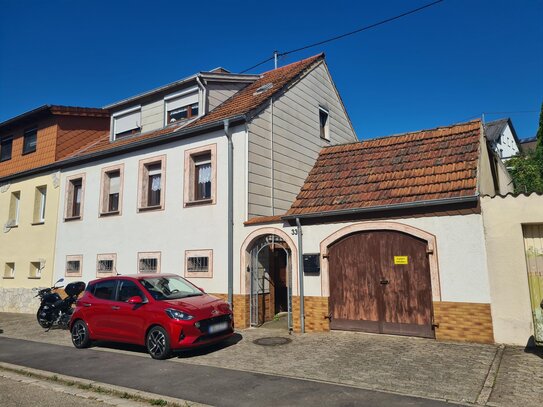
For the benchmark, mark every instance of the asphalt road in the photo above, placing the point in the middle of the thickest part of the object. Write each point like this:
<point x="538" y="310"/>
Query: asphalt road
<point x="14" y="393"/>
<point x="203" y="384"/>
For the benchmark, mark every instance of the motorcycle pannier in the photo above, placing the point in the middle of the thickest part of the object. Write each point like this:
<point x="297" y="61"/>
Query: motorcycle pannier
<point x="75" y="288"/>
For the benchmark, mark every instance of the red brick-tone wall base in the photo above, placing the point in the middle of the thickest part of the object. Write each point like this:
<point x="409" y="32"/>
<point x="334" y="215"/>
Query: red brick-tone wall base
<point x="463" y="321"/>
<point x="241" y="309"/>
<point x="315" y="310"/>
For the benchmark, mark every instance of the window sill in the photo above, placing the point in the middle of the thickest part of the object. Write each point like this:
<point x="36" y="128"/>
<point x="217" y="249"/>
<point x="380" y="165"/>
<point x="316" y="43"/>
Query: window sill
<point x="150" y="208"/>
<point x="34" y="278"/>
<point x="28" y="152"/>
<point x="13" y="227"/>
<point x="71" y="218"/>
<point x="112" y="213"/>
<point x="200" y="202"/>
<point x="41" y="222"/>
<point x="8" y="278"/>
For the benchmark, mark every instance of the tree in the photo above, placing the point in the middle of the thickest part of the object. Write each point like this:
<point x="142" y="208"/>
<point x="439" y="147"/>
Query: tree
<point x="526" y="169"/>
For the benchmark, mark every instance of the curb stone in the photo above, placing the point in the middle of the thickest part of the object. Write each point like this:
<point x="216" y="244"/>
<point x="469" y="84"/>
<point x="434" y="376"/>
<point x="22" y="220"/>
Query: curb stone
<point x="16" y="372"/>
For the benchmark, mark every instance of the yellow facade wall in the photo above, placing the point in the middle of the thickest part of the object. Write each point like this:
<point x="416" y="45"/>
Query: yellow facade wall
<point x="30" y="242"/>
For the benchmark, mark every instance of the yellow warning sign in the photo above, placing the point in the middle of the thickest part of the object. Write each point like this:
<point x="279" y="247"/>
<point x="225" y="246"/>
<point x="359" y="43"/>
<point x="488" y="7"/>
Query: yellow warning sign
<point x="401" y="260"/>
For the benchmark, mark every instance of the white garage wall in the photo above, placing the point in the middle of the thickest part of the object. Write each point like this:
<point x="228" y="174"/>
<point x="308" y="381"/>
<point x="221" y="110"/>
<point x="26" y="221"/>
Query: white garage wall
<point x="460" y="249"/>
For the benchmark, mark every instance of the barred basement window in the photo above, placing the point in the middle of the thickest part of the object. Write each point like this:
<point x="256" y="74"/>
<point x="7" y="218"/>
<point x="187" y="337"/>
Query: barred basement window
<point x="149" y="262"/>
<point x="74" y="266"/>
<point x="106" y="265"/>
<point x="199" y="263"/>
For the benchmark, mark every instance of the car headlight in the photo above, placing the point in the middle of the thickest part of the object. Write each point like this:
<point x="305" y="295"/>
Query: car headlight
<point x="179" y="315"/>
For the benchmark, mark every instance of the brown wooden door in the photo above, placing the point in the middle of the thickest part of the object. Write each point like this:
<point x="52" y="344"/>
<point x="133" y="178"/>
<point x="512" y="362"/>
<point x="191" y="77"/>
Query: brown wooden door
<point x="380" y="282"/>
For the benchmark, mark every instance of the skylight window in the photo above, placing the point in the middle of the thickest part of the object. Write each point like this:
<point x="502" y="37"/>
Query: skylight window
<point x="263" y="88"/>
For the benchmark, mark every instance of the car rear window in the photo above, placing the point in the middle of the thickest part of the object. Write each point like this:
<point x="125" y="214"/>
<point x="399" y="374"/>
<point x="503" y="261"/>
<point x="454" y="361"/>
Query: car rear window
<point x="105" y="290"/>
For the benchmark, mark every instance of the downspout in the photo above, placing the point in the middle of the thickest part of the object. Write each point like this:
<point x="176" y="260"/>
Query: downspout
<point x="301" y="274"/>
<point x="272" y="179"/>
<point x="230" y="213"/>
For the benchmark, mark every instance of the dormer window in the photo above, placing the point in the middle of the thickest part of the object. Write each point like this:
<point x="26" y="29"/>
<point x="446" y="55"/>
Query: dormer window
<point x="181" y="106"/>
<point x="30" y="139"/>
<point x="126" y="123"/>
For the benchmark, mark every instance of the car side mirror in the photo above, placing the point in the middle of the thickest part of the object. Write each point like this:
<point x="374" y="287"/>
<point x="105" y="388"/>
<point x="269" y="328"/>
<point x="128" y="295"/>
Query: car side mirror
<point x="135" y="300"/>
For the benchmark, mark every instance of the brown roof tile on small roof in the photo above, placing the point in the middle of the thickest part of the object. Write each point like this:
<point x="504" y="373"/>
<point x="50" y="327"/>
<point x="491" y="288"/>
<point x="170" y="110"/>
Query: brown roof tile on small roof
<point x="264" y="219"/>
<point x="422" y="166"/>
<point x="241" y="103"/>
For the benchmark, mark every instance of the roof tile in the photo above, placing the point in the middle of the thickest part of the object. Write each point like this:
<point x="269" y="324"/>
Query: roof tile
<point x="426" y="165"/>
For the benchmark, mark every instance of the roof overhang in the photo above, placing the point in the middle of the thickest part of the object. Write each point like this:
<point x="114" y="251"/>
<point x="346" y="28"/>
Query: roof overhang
<point x="126" y="148"/>
<point x="384" y="208"/>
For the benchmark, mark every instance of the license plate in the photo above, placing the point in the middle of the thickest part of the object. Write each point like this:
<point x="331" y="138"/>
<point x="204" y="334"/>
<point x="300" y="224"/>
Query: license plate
<point x="221" y="326"/>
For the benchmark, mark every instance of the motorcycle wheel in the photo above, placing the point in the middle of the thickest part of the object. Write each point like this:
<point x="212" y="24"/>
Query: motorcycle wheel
<point x="43" y="322"/>
<point x="80" y="334"/>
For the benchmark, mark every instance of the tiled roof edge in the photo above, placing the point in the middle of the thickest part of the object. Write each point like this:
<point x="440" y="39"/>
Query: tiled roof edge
<point x="379" y="208"/>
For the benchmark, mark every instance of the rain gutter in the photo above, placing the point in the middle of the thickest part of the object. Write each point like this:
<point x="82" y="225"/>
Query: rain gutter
<point x="379" y="208"/>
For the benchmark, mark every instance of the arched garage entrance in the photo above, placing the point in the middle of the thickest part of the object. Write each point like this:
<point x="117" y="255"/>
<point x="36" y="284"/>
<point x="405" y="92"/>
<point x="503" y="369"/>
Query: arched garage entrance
<point x="380" y="281"/>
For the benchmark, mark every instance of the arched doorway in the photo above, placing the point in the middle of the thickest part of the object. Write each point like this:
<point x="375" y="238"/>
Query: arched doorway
<point x="270" y="282"/>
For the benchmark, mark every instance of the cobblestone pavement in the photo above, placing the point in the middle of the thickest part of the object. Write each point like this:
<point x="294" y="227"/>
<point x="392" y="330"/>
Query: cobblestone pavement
<point x="414" y="366"/>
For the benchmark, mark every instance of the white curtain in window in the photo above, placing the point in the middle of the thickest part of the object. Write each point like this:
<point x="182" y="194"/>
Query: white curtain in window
<point x="204" y="174"/>
<point x="78" y="195"/>
<point x="114" y="184"/>
<point x="155" y="184"/>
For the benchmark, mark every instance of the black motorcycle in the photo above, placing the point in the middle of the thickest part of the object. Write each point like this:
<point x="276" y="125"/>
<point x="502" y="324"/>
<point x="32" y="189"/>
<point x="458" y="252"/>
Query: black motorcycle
<point x="54" y="310"/>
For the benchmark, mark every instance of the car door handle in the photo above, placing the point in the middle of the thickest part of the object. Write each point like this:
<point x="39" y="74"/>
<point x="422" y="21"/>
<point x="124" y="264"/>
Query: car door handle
<point x="115" y="307"/>
<point x="384" y="281"/>
<point x="86" y="304"/>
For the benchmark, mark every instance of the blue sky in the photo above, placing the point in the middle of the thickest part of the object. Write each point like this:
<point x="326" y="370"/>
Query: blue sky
<point x="446" y="64"/>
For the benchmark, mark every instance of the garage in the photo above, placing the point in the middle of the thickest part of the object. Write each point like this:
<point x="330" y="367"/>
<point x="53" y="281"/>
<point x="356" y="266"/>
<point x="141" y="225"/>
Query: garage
<point x="380" y="282"/>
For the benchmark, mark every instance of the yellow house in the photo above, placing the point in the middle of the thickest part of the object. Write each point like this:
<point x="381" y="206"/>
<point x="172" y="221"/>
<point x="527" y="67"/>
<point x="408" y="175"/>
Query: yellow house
<point x="27" y="242"/>
<point x="32" y="146"/>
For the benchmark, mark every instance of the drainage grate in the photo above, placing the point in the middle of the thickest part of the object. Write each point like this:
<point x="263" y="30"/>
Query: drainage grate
<point x="272" y="341"/>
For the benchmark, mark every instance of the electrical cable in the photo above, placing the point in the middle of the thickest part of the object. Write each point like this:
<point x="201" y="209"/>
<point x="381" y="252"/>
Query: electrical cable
<point x="416" y="10"/>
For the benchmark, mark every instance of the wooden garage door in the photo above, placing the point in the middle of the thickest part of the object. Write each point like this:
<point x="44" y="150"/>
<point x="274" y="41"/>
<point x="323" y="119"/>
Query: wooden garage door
<point x="380" y="282"/>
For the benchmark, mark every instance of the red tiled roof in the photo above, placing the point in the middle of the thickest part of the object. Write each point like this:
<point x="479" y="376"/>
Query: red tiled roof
<point x="240" y="103"/>
<point x="425" y="165"/>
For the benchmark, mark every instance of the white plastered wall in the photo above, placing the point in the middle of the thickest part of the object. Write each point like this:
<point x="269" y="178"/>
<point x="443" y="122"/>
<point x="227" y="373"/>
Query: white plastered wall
<point x="461" y="253"/>
<point x="170" y="231"/>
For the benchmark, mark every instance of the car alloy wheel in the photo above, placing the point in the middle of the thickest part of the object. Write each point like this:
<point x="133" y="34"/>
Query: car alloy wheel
<point x="158" y="343"/>
<point x="80" y="335"/>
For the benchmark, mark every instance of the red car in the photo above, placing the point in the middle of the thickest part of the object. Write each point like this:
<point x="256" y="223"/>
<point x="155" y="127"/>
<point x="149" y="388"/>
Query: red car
<point x="163" y="312"/>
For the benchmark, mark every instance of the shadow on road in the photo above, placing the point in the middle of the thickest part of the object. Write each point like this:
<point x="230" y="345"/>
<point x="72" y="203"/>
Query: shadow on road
<point x="184" y="354"/>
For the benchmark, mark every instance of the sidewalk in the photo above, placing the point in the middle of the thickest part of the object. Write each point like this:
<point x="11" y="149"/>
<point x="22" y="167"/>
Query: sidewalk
<point x="411" y="366"/>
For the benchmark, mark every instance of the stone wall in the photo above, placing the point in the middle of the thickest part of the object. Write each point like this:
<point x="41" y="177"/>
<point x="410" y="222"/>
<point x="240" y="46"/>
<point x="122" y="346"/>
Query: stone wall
<point x="18" y="300"/>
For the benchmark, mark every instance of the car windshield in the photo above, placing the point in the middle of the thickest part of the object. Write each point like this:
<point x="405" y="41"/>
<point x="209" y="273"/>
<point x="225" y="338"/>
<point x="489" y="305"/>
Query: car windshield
<point x="169" y="288"/>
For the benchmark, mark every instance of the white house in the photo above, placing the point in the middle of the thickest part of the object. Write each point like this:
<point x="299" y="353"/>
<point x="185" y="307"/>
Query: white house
<point x="185" y="165"/>
<point x="502" y="138"/>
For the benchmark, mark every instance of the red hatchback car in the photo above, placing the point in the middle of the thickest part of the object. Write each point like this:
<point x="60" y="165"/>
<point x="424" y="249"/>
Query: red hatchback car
<point x="163" y="312"/>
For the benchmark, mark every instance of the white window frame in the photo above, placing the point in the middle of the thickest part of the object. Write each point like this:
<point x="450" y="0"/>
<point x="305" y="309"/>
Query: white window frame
<point x="177" y="95"/>
<point x="116" y="115"/>
<point x="40" y="200"/>
<point x="199" y="253"/>
<point x="14" y="208"/>
<point x="149" y="255"/>
<point x="326" y="126"/>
